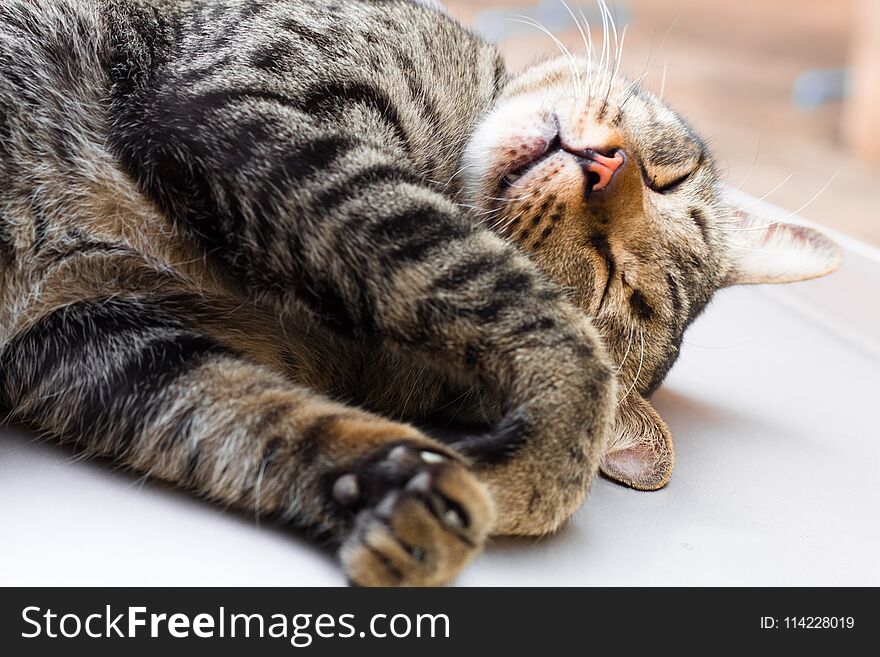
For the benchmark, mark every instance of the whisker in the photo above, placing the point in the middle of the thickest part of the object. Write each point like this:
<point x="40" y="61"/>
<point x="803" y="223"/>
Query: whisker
<point x="638" y="371"/>
<point x="580" y="29"/>
<point x="669" y="31"/>
<point x="661" y="44"/>
<point x="479" y="210"/>
<point x="629" y="342"/>
<point x="520" y="198"/>
<point x="507" y="223"/>
<point x="527" y="20"/>
<point x="751" y="167"/>
<point x="716" y="347"/>
<point x="776" y="188"/>
<point x="613" y="24"/>
<point x="633" y="87"/>
<point x="612" y="77"/>
<point x="606" y="41"/>
<point x="650" y="59"/>
<point x="459" y="172"/>
<point x="786" y="217"/>
<point x="620" y="52"/>
<point x="591" y="55"/>
<point x="663" y="81"/>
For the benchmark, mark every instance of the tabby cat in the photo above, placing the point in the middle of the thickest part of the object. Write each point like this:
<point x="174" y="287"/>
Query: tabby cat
<point x="245" y="245"/>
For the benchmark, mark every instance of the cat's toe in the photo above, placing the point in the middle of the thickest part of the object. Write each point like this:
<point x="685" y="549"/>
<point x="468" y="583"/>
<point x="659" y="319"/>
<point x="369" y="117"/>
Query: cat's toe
<point x="422" y="531"/>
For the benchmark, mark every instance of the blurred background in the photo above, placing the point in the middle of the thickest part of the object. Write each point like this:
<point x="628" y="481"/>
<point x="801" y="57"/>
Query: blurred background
<point x="786" y="91"/>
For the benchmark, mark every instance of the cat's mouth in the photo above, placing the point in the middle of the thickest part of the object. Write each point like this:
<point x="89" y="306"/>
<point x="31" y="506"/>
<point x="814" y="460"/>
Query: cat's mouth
<point x="512" y="177"/>
<point x="599" y="169"/>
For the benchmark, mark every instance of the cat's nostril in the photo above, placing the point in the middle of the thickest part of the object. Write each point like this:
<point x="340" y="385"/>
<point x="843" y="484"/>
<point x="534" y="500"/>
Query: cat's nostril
<point x="600" y="168"/>
<point x="612" y="154"/>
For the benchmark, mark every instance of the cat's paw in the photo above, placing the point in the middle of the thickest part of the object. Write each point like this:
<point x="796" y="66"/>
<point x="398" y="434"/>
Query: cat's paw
<point x="422" y="516"/>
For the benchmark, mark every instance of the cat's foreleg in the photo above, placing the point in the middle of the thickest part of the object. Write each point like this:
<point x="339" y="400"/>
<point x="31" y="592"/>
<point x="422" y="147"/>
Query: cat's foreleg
<point x="130" y="379"/>
<point x="321" y="219"/>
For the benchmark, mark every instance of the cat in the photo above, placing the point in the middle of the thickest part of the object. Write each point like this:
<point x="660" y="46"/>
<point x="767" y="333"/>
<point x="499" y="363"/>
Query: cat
<point x="245" y="247"/>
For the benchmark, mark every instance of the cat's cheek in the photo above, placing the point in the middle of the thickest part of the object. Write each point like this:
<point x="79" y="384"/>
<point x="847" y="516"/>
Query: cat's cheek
<point x="514" y="133"/>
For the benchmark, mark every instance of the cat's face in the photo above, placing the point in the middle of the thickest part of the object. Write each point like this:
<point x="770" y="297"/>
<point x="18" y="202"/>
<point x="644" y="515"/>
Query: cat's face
<point x="618" y="200"/>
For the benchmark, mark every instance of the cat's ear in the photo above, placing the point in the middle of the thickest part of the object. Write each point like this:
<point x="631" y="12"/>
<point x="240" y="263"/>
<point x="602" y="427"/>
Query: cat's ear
<point x="766" y="251"/>
<point x="640" y="454"/>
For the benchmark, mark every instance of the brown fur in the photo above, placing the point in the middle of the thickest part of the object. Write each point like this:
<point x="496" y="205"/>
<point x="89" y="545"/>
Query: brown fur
<point x="247" y="264"/>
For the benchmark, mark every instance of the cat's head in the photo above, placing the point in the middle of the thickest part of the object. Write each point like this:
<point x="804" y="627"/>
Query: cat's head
<point x="615" y="196"/>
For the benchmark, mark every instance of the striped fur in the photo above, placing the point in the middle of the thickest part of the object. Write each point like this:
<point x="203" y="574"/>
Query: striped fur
<point x="644" y="258"/>
<point x="234" y="256"/>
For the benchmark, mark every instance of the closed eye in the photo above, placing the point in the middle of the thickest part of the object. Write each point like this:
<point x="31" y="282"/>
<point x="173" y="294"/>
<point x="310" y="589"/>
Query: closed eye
<point x="671" y="186"/>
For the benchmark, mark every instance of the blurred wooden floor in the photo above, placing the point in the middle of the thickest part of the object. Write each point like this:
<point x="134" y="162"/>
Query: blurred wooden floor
<point x="731" y="66"/>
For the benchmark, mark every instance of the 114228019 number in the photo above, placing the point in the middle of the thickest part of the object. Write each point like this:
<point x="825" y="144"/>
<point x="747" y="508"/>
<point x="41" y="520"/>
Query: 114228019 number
<point x="819" y="622"/>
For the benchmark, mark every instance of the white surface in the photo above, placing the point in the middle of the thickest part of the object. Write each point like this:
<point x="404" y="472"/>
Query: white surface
<point x="774" y="410"/>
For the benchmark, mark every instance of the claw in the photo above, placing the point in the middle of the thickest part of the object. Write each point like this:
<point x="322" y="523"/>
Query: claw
<point x="433" y="457"/>
<point x="453" y="519"/>
<point x="386" y="507"/>
<point x="400" y="455"/>
<point x="346" y="490"/>
<point x="421" y="483"/>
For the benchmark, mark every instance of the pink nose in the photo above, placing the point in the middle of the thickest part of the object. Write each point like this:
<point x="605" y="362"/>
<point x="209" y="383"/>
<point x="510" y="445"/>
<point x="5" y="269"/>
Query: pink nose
<point x="600" y="169"/>
<point x="599" y="166"/>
